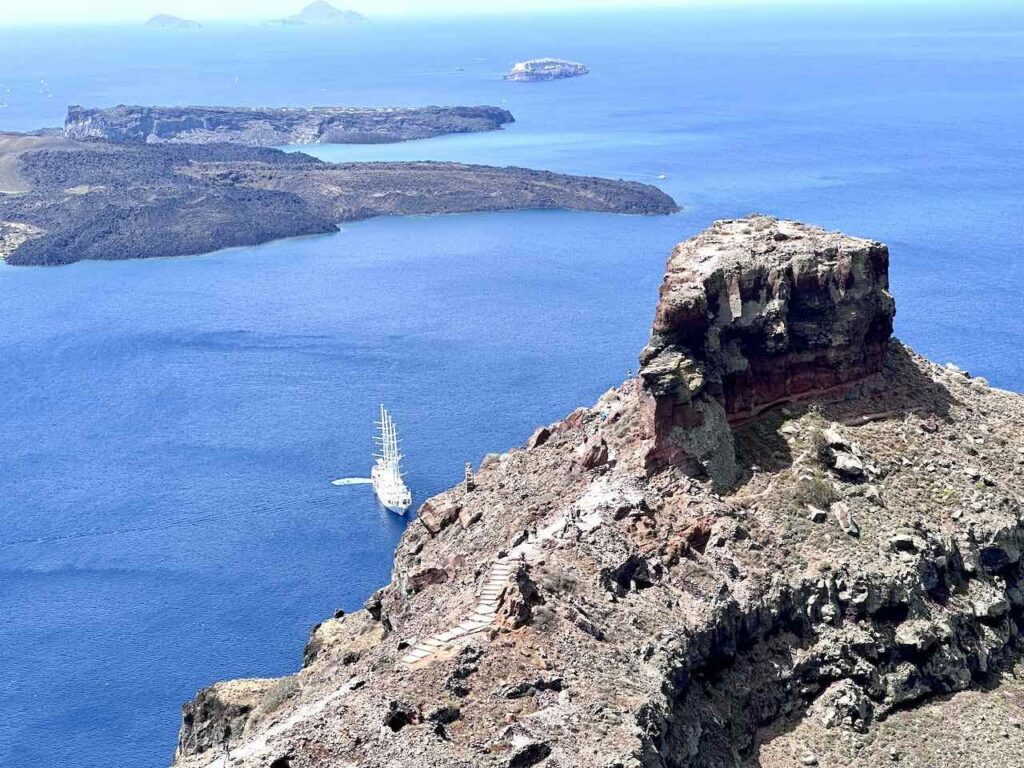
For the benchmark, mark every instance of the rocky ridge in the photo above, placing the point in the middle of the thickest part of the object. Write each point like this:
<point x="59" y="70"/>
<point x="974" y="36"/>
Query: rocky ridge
<point x="274" y="127"/>
<point x="861" y="562"/>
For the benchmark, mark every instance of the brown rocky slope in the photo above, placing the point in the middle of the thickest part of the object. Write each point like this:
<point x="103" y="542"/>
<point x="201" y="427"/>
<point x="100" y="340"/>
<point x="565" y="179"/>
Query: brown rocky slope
<point x="787" y="542"/>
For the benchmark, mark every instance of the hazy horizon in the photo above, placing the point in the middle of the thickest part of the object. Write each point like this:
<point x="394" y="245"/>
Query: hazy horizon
<point x="70" y="12"/>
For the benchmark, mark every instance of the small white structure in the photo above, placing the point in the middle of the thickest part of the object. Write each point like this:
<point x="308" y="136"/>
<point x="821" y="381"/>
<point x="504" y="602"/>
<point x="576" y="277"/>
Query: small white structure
<point x="386" y="475"/>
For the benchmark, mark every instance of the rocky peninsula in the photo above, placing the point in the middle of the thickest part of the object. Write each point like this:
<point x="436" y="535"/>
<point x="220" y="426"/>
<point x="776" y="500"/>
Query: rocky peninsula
<point x="273" y="127"/>
<point x="70" y="200"/>
<point x="538" y="70"/>
<point x="789" y="541"/>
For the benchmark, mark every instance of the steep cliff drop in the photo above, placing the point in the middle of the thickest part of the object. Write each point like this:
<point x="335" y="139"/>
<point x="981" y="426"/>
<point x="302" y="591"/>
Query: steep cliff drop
<point x="790" y="541"/>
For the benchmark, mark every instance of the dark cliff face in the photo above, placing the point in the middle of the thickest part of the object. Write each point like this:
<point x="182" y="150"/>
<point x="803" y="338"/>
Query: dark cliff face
<point x="755" y="312"/>
<point x="270" y="127"/>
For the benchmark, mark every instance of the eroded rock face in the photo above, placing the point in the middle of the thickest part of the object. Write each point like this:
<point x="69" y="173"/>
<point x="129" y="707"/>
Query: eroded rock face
<point x="754" y="312"/>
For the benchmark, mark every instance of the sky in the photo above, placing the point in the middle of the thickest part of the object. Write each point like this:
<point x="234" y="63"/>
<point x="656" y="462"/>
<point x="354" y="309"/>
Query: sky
<point x="18" y="12"/>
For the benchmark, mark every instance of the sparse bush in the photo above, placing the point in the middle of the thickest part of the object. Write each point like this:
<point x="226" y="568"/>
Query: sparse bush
<point x="557" y="582"/>
<point x="816" y="491"/>
<point x="544" y="618"/>
<point x="282" y="690"/>
<point x="819" y="447"/>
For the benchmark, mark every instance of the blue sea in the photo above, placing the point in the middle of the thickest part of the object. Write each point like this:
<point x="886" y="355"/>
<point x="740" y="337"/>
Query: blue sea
<point x="169" y="428"/>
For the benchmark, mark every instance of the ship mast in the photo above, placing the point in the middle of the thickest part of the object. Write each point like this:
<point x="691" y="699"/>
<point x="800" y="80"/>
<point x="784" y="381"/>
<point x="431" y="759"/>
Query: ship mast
<point x="389" y="454"/>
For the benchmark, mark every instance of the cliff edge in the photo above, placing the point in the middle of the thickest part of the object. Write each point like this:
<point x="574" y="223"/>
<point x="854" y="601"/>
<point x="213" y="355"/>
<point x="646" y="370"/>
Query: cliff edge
<point x="789" y="541"/>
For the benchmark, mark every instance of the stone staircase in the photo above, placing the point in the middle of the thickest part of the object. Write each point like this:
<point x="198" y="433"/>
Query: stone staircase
<point x="482" y="617"/>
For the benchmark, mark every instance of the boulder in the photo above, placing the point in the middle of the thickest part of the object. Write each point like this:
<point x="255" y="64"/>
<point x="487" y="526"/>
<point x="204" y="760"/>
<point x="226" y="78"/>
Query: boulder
<point x="595" y="453"/>
<point x="849" y="466"/>
<point x="540" y="436"/>
<point x="520" y="598"/>
<point x="841" y="511"/>
<point x="419" y="580"/>
<point x="437" y="514"/>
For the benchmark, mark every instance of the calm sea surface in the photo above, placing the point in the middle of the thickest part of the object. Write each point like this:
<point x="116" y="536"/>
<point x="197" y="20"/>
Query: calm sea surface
<point x="168" y="429"/>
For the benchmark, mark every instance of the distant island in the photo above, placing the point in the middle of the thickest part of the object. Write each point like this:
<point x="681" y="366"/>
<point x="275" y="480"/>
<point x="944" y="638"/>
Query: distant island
<point x="166" y="21"/>
<point x="99" y="199"/>
<point x="321" y="13"/>
<point x="276" y="126"/>
<point x="536" y="70"/>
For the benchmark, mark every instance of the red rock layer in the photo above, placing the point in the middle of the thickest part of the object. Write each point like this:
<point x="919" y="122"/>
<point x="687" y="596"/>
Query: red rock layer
<point x="757" y="311"/>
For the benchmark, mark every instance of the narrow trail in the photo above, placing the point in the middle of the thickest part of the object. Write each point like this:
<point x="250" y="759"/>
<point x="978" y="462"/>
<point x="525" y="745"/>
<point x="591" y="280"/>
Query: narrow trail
<point x="485" y="613"/>
<point x="481" y="618"/>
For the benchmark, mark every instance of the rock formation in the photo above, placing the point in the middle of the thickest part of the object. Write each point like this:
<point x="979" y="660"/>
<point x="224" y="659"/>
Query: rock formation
<point x="536" y="70"/>
<point x="165" y="21"/>
<point x="754" y="313"/>
<point x="274" y="127"/>
<point x="103" y="200"/>
<point x="577" y="605"/>
<point x="320" y="13"/>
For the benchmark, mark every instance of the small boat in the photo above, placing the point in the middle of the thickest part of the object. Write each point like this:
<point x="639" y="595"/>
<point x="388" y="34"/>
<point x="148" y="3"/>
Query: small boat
<point x="386" y="474"/>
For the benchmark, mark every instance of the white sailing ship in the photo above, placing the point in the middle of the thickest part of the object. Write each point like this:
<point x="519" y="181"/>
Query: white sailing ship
<point x="386" y="475"/>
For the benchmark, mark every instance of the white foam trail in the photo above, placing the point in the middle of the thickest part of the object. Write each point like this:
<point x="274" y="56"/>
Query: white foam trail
<point x="352" y="481"/>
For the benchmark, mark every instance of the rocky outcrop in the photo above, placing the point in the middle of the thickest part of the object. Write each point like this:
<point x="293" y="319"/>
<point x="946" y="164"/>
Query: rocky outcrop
<point x="756" y="312"/>
<point x="99" y="200"/>
<point x="166" y="21"/>
<point x="220" y="713"/>
<point x="273" y="127"/>
<point x="538" y="70"/>
<point x="601" y="614"/>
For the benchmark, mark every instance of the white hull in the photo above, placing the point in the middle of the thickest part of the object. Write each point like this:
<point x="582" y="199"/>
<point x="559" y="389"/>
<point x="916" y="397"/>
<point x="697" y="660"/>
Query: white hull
<point x="386" y="475"/>
<point x="390" y="488"/>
